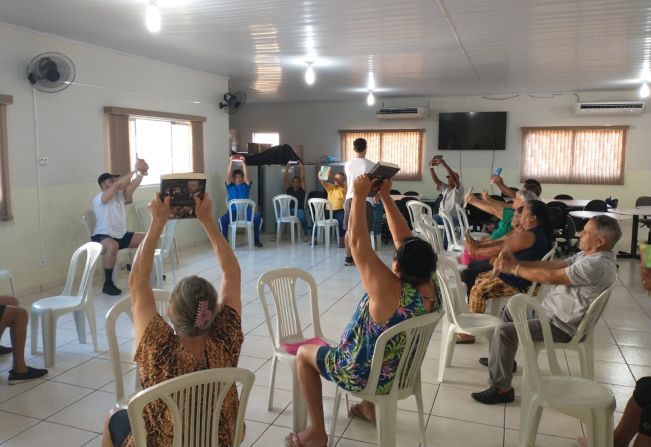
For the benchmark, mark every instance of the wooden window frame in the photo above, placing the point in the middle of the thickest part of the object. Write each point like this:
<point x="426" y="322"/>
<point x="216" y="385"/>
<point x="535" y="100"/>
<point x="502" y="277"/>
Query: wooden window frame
<point x="5" y="202"/>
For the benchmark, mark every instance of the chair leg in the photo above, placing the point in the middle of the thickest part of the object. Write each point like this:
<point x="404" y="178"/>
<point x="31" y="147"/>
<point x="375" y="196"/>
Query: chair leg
<point x="34" y="329"/>
<point x="586" y="359"/>
<point x="314" y="235"/>
<point x="80" y="324"/>
<point x="278" y="225"/>
<point x="49" y="338"/>
<point x="249" y="235"/>
<point x="158" y="269"/>
<point x="326" y="232"/>
<point x="233" y="235"/>
<point x="291" y="232"/>
<point x="90" y="313"/>
<point x="176" y="252"/>
<point x="335" y="415"/>
<point x="530" y="413"/>
<point x="272" y="383"/>
<point x="448" y="343"/>
<point x="299" y="410"/>
<point x="418" y="394"/>
<point x="386" y="420"/>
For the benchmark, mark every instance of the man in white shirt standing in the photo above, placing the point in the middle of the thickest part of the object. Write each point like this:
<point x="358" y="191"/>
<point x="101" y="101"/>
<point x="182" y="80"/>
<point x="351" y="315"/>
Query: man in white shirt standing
<point x="111" y="228"/>
<point x="356" y="166"/>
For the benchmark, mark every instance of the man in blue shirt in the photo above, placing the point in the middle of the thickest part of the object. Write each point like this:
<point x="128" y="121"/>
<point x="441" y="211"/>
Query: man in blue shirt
<point x="238" y="186"/>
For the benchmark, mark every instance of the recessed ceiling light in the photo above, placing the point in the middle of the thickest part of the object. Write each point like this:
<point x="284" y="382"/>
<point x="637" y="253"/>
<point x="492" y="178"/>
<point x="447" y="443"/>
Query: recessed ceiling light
<point x="370" y="99"/>
<point x="644" y="90"/>
<point x="153" y="17"/>
<point x="310" y="76"/>
<point x="371" y="81"/>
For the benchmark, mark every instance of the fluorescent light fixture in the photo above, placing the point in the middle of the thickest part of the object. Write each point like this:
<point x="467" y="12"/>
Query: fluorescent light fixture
<point x="153" y="17"/>
<point x="644" y="90"/>
<point x="310" y="76"/>
<point x="371" y="81"/>
<point x="370" y="99"/>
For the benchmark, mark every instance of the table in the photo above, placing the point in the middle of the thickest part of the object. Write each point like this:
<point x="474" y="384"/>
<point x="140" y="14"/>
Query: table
<point x="591" y="214"/>
<point x="635" y="213"/>
<point x="579" y="203"/>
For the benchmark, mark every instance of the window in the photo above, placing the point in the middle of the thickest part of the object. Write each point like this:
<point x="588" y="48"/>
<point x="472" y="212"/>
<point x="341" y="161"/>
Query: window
<point x="5" y="199"/>
<point x="170" y="142"/>
<point x="166" y="145"/>
<point x="579" y="155"/>
<point x="272" y="138"/>
<point x="401" y="147"/>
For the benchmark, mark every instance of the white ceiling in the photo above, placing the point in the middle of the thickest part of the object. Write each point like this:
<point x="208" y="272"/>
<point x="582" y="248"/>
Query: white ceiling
<point x="416" y="47"/>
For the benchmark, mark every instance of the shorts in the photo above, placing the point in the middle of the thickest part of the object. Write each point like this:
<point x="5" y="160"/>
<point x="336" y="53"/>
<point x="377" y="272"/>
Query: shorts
<point x="2" y="310"/>
<point x="320" y="361"/>
<point x="123" y="242"/>
<point x="119" y="427"/>
<point x="369" y="214"/>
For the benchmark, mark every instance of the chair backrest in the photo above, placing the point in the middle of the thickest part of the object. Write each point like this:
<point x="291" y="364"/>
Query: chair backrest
<point x="239" y="209"/>
<point x="417" y="332"/>
<point x="124" y="307"/>
<point x="452" y="288"/>
<point x="92" y="250"/>
<point x="429" y="230"/>
<point x="593" y="314"/>
<point x="596" y="205"/>
<point x="168" y="237"/>
<point x="283" y="203"/>
<point x="556" y="217"/>
<point x="317" y="194"/>
<point x="462" y="217"/>
<point x="411" y="193"/>
<point x="144" y="216"/>
<point x="563" y="197"/>
<point x="450" y="230"/>
<point x="416" y="209"/>
<point x="395" y="192"/>
<point x="318" y="209"/>
<point x="548" y="256"/>
<point x="195" y="401"/>
<point x="643" y="201"/>
<point x="89" y="220"/>
<point x="282" y="284"/>
<point x="519" y="307"/>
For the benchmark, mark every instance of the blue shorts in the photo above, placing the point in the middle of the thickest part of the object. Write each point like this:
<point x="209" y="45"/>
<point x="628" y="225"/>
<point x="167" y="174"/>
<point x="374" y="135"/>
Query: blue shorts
<point x="123" y="242"/>
<point x="320" y="361"/>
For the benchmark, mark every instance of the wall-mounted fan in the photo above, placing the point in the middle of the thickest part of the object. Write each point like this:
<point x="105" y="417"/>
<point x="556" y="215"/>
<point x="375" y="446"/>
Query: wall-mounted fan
<point x="51" y="72"/>
<point x="232" y="102"/>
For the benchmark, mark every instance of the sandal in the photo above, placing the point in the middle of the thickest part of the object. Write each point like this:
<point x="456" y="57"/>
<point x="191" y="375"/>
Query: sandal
<point x="356" y="412"/>
<point x="292" y="440"/>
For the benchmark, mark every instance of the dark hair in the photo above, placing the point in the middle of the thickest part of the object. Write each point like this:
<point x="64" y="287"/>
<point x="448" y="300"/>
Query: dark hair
<point x="359" y="145"/>
<point x="541" y="211"/>
<point x="416" y="260"/>
<point x="238" y="172"/>
<point x="533" y="185"/>
<point x="296" y="177"/>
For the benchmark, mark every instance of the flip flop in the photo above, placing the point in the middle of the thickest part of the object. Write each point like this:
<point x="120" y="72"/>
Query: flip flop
<point x="355" y="411"/>
<point x="292" y="440"/>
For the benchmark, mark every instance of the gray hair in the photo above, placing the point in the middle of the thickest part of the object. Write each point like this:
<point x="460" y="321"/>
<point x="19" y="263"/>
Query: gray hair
<point x="526" y="195"/>
<point x="608" y="228"/>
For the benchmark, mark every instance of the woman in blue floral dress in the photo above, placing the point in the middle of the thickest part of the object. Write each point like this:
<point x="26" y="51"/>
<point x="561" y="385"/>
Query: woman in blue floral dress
<point x="392" y="295"/>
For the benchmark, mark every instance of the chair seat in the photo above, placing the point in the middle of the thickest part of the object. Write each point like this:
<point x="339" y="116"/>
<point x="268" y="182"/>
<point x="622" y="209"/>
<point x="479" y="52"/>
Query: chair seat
<point x="562" y="391"/>
<point x="59" y="302"/>
<point x="471" y="322"/>
<point x="287" y="219"/>
<point x="327" y="223"/>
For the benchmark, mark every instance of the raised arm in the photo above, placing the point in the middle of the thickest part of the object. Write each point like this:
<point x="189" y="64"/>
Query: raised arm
<point x="245" y="170"/>
<point x="396" y="221"/>
<point x="546" y="272"/>
<point x="230" y="289"/>
<point x="143" y="304"/>
<point x="118" y="185"/>
<point x="452" y="173"/>
<point x="432" y="165"/>
<point x="229" y="171"/>
<point x="300" y="164"/>
<point x="286" y="176"/>
<point x="141" y="169"/>
<point x="499" y="182"/>
<point x="488" y="206"/>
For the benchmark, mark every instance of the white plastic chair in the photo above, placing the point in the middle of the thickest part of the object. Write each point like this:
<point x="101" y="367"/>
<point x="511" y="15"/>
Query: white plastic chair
<point x="456" y="320"/>
<point x="462" y="217"/>
<point x="318" y="208"/>
<point x="238" y="217"/>
<point x="287" y="328"/>
<point x="431" y="232"/>
<point x="416" y="209"/>
<point x="164" y="251"/>
<point x="79" y="302"/>
<point x="89" y="221"/>
<point x="454" y="241"/>
<point x="144" y="216"/>
<point x="583" y="340"/>
<point x="494" y="305"/>
<point x="591" y="402"/>
<point x="283" y="204"/>
<point x="417" y="332"/>
<point x="6" y="274"/>
<point x="195" y="401"/>
<point x="124" y="307"/>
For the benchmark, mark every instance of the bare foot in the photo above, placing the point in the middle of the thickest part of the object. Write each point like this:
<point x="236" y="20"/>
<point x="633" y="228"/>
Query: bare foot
<point x="306" y="438"/>
<point x="582" y="442"/>
<point x="364" y="410"/>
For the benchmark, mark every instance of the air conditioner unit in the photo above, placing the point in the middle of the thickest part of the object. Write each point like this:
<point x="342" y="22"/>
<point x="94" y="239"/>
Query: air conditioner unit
<point x="401" y="113"/>
<point x="610" y="107"/>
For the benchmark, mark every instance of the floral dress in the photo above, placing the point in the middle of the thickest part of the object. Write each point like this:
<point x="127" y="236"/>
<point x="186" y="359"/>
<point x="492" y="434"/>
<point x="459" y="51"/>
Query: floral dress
<point x="349" y="364"/>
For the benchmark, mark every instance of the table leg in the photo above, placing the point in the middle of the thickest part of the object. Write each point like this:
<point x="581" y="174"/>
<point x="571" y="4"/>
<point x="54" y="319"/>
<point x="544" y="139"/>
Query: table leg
<point x="633" y="253"/>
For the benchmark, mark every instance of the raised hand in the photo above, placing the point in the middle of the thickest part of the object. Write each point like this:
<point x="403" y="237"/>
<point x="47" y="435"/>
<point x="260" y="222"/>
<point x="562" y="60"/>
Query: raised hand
<point x="385" y="188"/>
<point x="141" y="166"/>
<point x="505" y="262"/>
<point x="203" y="208"/>
<point x="362" y="185"/>
<point x="160" y="209"/>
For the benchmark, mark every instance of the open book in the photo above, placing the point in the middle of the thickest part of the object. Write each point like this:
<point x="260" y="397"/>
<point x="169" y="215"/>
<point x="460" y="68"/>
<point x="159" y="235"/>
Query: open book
<point x="182" y="189"/>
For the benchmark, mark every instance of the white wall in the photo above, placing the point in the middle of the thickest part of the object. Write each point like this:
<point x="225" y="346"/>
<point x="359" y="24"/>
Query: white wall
<point x="70" y="130"/>
<point x="315" y="125"/>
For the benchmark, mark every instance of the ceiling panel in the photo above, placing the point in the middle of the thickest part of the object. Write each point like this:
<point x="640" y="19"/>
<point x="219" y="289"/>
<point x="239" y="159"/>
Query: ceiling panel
<point x="417" y="47"/>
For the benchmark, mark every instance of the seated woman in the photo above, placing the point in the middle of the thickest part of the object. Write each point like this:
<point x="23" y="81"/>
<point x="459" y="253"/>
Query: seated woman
<point x="532" y="243"/>
<point x="296" y="189"/>
<point x="206" y="333"/>
<point x="392" y="295"/>
<point x="336" y="195"/>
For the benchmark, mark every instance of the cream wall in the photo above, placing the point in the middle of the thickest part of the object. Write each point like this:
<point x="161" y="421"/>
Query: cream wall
<point x="68" y="128"/>
<point x="315" y="125"/>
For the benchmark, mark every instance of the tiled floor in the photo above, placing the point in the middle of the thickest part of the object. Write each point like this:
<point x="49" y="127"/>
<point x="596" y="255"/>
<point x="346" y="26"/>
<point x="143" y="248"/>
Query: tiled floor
<point x="68" y="407"/>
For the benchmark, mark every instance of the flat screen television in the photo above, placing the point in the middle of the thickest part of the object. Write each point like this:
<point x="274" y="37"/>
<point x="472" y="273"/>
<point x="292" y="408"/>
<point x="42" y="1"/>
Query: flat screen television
<point x="472" y="131"/>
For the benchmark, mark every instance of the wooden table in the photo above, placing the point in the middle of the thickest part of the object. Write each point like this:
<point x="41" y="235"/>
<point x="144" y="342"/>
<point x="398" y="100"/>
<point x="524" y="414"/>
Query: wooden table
<point x="635" y="213"/>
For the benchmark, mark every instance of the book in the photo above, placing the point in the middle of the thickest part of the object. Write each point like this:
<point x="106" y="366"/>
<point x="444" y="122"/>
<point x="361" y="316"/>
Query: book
<point x="324" y="173"/>
<point x="383" y="170"/>
<point x="182" y="189"/>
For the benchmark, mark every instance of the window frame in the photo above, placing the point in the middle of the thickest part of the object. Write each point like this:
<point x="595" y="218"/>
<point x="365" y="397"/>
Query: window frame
<point x="263" y="132"/>
<point x="5" y="193"/>
<point x="418" y="176"/>
<point x="568" y="181"/>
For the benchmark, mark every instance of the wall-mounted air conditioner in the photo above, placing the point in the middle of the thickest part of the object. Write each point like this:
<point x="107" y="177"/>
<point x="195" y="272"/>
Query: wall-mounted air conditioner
<point x="610" y="107"/>
<point x="401" y="113"/>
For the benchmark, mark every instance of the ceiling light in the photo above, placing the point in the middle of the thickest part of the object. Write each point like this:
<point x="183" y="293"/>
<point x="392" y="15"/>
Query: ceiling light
<point x="310" y="76"/>
<point x="371" y="81"/>
<point x="644" y="90"/>
<point x="370" y="99"/>
<point x="153" y="17"/>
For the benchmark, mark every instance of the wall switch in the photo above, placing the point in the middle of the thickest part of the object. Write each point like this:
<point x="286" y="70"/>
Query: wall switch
<point x="42" y="262"/>
<point x="43" y="161"/>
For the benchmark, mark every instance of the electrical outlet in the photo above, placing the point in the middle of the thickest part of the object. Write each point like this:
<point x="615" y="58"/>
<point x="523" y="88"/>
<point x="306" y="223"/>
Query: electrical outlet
<point x="42" y="262"/>
<point x="43" y="161"/>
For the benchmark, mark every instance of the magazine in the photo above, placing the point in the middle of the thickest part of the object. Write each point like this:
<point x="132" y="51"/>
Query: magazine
<point x="182" y="189"/>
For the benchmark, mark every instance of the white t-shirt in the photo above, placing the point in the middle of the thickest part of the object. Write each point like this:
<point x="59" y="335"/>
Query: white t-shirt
<point x="110" y="216"/>
<point x="353" y="169"/>
<point x="451" y="196"/>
